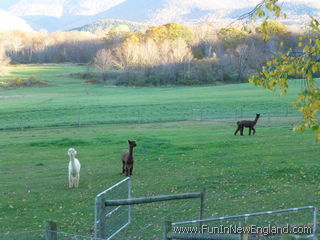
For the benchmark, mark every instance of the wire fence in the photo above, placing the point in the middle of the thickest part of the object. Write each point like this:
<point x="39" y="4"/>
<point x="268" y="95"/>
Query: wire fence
<point x="281" y="115"/>
<point x="147" y="220"/>
<point x="287" y="118"/>
<point x="278" y="224"/>
<point x="112" y="219"/>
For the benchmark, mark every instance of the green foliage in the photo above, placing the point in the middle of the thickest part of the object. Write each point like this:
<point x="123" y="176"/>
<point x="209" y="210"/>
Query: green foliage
<point x="22" y="83"/>
<point x="201" y="72"/>
<point x="119" y="31"/>
<point x="170" y="31"/>
<point x="107" y="24"/>
<point x="266" y="7"/>
<point x="198" y="54"/>
<point x="84" y="75"/>
<point x="135" y="37"/>
<point x="231" y="36"/>
<point x="270" y="28"/>
<point x="278" y="71"/>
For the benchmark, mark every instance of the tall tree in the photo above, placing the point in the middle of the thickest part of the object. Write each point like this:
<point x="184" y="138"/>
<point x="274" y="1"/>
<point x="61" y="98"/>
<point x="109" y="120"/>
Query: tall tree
<point x="276" y="74"/>
<point x="103" y="61"/>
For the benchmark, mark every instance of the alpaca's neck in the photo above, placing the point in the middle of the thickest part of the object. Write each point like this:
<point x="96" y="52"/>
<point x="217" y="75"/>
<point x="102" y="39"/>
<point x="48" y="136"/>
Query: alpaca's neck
<point x="72" y="161"/>
<point x="256" y="119"/>
<point x="130" y="153"/>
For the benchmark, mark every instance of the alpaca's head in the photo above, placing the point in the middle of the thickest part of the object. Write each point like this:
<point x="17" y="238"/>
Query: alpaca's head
<point x="72" y="152"/>
<point x="132" y="143"/>
<point x="257" y="115"/>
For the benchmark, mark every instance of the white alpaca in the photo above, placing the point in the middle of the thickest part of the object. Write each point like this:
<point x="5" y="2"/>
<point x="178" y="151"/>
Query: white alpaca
<point x="74" y="168"/>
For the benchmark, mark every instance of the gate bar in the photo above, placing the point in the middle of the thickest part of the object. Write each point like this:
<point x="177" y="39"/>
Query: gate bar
<point x="132" y="201"/>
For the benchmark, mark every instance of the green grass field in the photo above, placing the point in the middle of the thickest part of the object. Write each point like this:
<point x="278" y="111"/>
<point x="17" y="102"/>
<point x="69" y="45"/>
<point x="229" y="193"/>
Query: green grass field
<point x="274" y="169"/>
<point x="71" y="102"/>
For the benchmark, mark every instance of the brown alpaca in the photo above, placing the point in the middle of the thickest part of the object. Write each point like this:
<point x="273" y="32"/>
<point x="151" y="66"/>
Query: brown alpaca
<point x="128" y="159"/>
<point x="248" y="124"/>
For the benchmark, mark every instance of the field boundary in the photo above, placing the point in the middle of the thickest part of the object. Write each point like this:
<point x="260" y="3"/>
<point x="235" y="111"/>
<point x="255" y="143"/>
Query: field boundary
<point x="264" y="121"/>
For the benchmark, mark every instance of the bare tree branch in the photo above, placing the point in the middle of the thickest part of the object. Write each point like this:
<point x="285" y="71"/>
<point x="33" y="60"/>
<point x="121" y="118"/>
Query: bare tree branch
<point x="249" y="14"/>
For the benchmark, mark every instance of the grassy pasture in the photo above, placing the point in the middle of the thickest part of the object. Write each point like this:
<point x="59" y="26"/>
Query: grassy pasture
<point x="70" y="101"/>
<point x="274" y="169"/>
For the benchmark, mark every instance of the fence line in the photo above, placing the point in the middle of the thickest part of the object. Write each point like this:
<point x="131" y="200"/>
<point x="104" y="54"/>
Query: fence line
<point x="176" y="230"/>
<point x="47" y="119"/>
<point x="113" y="210"/>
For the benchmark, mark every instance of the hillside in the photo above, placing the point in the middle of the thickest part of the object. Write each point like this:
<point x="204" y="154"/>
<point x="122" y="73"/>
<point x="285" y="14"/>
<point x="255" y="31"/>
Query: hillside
<point x="106" y="24"/>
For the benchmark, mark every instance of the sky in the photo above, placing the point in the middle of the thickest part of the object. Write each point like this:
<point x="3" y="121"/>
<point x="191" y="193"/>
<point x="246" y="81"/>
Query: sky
<point x="202" y="4"/>
<point x="169" y="10"/>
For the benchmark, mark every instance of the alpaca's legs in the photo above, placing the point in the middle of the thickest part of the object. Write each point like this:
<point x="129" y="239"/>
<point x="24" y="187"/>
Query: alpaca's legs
<point x="131" y="169"/>
<point x="241" y="131"/>
<point x="254" y="131"/>
<point x="123" y="168"/>
<point x="70" y="181"/>
<point x="235" y="133"/>
<point x="250" y="131"/>
<point x="77" y="181"/>
<point x="126" y="170"/>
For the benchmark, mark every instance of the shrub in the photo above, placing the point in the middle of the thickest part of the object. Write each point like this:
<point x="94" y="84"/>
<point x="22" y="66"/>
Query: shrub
<point x="23" y="83"/>
<point x="85" y="75"/>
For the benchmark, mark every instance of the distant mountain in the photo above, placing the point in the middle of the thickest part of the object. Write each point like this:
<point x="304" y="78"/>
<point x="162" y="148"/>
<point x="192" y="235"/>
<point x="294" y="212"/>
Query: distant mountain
<point x="58" y="8"/>
<point x="106" y="24"/>
<point x="56" y="15"/>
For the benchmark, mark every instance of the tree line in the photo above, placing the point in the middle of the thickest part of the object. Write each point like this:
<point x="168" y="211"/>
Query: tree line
<point x="170" y="54"/>
<point x="173" y="54"/>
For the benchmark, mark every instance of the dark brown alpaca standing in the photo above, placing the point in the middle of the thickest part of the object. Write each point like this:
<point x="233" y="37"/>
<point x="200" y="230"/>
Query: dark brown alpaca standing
<point x="248" y="124"/>
<point x="128" y="159"/>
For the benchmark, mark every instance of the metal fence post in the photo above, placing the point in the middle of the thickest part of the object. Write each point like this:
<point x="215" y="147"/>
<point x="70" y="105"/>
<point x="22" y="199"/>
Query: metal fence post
<point x="51" y="230"/>
<point x="102" y="219"/>
<point x="167" y="229"/>
<point x="202" y="203"/>
<point x="129" y="197"/>
<point x="314" y="222"/>
<point x="202" y="206"/>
